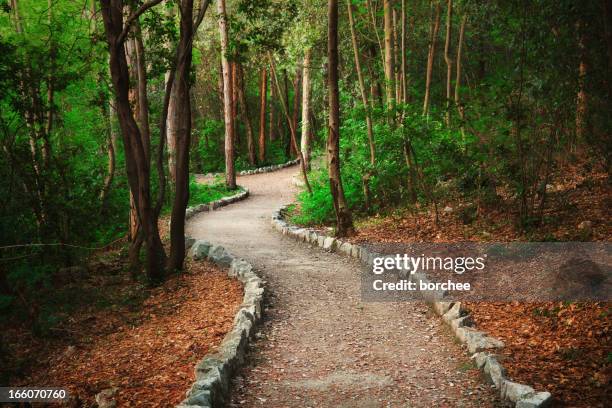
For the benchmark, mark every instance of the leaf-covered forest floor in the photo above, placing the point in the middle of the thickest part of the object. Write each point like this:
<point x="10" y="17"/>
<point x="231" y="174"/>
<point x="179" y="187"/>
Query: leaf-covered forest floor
<point x="564" y="348"/>
<point x="117" y="332"/>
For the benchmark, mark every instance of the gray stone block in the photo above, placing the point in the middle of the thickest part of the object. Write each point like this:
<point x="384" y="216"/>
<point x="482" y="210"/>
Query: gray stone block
<point x="494" y="372"/>
<point x="220" y="256"/>
<point x="189" y="242"/>
<point x="453" y="313"/>
<point x="538" y="400"/>
<point x="329" y="243"/>
<point x="200" y="249"/>
<point x="442" y="307"/>
<point x="514" y="391"/>
<point x="480" y="359"/>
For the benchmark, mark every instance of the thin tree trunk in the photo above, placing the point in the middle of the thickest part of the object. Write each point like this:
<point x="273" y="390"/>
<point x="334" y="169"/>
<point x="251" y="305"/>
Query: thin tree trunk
<point x="133" y="227"/>
<point x="138" y="168"/>
<point x="292" y="130"/>
<point x="582" y="96"/>
<point x="263" y="96"/>
<point x="458" y="103"/>
<point x="344" y="221"/>
<point x="183" y="137"/>
<point x="295" y="115"/>
<point x="404" y="87"/>
<point x="171" y="133"/>
<point x="435" y="26"/>
<point x="448" y="59"/>
<point x="366" y="105"/>
<point x="230" y="172"/>
<point x="111" y="137"/>
<point x="246" y="117"/>
<point x="305" y="141"/>
<point x="273" y="129"/>
<point x="389" y="71"/>
<point x="234" y="76"/>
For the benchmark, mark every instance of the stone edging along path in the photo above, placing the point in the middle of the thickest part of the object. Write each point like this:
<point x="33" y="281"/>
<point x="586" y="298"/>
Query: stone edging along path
<point x="265" y="169"/>
<point x="214" y="372"/>
<point x="480" y="346"/>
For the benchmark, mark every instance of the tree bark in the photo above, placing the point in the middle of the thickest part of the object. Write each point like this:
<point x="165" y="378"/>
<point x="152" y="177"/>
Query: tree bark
<point x="246" y="117"/>
<point x="362" y="88"/>
<point x="295" y="115"/>
<point x="272" y="133"/>
<point x="138" y="168"/>
<point x="435" y="26"/>
<point x="235" y="86"/>
<point x="389" y="71"/>
<point x="183" y="137"/>
<point x="366" y="106"/>
<point x="305" y="140"/>
<point x="448" y="59"/>
<point x="111" y="137"/>
<point x="404" y="87"/>
<point x="230" y="172"/>
<point x="292" y="131"/>
<point x="344" y="221"/>
<point x="263" y="96"/>
<point x="458" y="104"/>
<point x="171" y="133"/>
<point x="582" y="96"/>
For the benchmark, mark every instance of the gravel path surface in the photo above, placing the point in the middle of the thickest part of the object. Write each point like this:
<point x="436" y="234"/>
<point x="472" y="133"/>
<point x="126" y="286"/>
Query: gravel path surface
<point x="320" y="346"/>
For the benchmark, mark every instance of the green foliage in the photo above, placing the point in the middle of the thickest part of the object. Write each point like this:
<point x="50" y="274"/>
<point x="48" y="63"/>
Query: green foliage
<point x="200" y="193"/>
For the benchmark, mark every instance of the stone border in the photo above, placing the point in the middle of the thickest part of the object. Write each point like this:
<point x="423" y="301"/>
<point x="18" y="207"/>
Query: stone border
<point x="258" y="170"/>
<point x="481" y="347"/>
<point x="214" y="372"/>
<point x="222" y="202"/>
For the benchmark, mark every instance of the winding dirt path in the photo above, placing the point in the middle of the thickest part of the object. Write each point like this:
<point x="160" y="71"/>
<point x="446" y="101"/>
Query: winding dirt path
<point x="320" y="346"/>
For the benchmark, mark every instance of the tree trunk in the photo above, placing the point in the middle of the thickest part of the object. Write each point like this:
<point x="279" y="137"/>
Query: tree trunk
<point x="404" y="87"/>
<point x="171" y="134"/>
<point x="183" y="137"/>
<point x="448" y="59"/>
<point x="263" y="96"/>
<point x="295" y="115"/>
<point x="435" y="26"/>
<point x="138" y="169"/>
<point x="230" y="172"/>
<point x="364" y="100"/>
<point x="234" y="76"/>
<point x="389" y="71"/>
<point x="111" y="137"/>
<point x="458" y="104"/>
<point x="292" y="130"/>
<point x="305" y="141"/>
<point x="133" y="227"/>
<point x="272" y="133"/>
<point x="362" y="88"/>
<point x="582" y="96"/>
<point x="246" y="117"/>
<point x="344" y="219"/>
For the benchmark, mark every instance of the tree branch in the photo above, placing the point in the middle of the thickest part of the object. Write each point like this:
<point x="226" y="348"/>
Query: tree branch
<point x="200" y="16"/>
<point x="133" y="17"/>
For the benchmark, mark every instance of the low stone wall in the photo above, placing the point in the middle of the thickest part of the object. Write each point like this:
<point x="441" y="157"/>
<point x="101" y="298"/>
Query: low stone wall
<point x="191" y="211"/>
<point x="480" y="346"/>
<point x="268" y="169"/>
<point x="214" y="372"/>
<point x="259" y="170"/>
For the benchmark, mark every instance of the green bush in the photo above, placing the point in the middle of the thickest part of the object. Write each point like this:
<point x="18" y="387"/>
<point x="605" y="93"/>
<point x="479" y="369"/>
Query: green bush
<point x="206" y="193"/>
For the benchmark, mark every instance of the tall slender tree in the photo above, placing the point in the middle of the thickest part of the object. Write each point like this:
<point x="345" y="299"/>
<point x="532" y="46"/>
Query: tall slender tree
<point x="344" y="220"/>
<point x="230" y="172"/>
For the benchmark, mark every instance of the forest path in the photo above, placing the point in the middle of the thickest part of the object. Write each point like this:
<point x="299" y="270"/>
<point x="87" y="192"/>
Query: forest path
<point x="320" y="345"/>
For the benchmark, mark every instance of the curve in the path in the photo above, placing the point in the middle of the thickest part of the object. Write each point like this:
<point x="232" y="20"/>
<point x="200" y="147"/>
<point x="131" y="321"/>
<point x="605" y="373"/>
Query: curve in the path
<point x="320" y="345"/>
